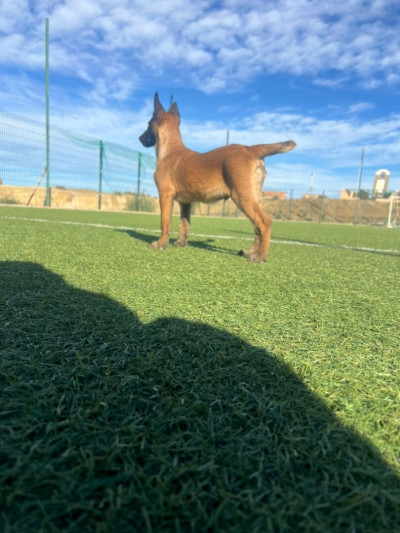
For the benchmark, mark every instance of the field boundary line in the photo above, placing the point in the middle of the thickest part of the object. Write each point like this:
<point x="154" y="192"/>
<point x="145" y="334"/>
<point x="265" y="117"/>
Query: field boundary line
<point x="207" y="236"/>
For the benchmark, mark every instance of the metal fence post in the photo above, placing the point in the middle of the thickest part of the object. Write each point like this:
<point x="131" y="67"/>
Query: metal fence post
<point x="321" y="211"/>
<point x="357" y="209"/>
<point x="290" y="204"/>
<point x="48" y="191"/>
<point x="356" y="214"/>
<point x="101" y="156"/>
<point x="138" y="182"/>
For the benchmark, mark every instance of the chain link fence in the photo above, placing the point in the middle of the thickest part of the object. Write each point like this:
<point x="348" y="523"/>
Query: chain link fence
<point x="88" y="173"/>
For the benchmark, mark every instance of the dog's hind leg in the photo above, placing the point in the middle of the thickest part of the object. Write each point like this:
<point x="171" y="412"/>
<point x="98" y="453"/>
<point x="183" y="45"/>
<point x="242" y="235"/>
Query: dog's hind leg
<point x="258" y="251"/>
<point x="184" y="225"/>
<point x="249" y="201"/>
<point x="166" y="203"/>
<point x="253" y="248"/>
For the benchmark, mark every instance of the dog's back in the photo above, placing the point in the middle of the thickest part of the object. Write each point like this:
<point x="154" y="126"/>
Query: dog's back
<point x="212" y="175"/>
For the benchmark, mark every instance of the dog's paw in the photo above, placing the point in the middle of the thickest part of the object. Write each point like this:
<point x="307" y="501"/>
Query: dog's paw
<point x="256" y="258"/>
<point x="180" y="244"/>
<point x="157" y="245"/>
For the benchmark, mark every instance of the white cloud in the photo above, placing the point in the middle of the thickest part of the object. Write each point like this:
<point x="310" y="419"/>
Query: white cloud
<point x="74" y="16"/>
<point x="225" y="45"/>
<point x="14" y="15"/>
<point x="360" y="107"/>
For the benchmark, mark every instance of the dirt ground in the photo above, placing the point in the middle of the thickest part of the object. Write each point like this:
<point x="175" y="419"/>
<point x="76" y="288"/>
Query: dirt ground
<point x="316" y="209"/>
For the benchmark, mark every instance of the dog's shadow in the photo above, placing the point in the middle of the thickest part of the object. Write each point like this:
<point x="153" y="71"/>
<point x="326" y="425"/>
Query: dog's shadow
<point x="206" y="244"/>
<point x="144" y="237"/>
<point x="111" y="424"/>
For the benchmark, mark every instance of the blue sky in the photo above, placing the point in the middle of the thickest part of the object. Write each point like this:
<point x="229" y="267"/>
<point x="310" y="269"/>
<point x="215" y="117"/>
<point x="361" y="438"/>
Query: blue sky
<point x="325" y="74"/>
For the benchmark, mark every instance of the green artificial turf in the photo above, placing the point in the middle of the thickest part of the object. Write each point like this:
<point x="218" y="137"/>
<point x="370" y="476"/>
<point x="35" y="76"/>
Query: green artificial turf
<point x="189" y="390"/>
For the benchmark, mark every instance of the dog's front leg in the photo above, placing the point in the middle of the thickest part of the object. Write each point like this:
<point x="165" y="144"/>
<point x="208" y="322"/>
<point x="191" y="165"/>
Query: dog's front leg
<point x="166" y="203"/>
<point x="184" y="225"/>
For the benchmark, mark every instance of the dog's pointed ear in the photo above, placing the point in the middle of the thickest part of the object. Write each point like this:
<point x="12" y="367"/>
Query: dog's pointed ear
<point x="174" y="110"/>
<point x="158" y="108"/>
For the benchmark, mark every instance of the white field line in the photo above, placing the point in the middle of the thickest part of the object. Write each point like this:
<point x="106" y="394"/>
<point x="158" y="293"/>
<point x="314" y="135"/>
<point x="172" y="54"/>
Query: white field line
<point x="207" y="236"/>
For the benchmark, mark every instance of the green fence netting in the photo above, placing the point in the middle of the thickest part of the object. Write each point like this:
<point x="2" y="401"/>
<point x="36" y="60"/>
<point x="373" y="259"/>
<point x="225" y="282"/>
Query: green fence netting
<point x="76" y="161"/>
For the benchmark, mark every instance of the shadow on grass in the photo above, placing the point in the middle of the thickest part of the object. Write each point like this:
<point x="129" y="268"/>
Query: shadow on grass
<point x="139" y="235"/>
<point x="203" y="245"/>
<point x="108" y="424"/>
<point x="206" y="244"/>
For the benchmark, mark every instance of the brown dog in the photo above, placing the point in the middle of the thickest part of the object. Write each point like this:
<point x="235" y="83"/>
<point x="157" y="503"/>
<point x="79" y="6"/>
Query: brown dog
<point x="234" y="171"/>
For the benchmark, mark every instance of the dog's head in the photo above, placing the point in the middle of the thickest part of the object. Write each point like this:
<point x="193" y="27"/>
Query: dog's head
<point x="150" y="136"/>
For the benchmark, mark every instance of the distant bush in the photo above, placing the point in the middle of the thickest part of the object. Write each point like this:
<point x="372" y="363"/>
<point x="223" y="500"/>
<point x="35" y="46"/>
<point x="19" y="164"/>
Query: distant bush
<point x="8" y="200"/>
<point x="130" y="203"/>
<point x="146" y="204"/>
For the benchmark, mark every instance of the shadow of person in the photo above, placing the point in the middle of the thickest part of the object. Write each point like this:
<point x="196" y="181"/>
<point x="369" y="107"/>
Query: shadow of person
<point x="109" y="424"/>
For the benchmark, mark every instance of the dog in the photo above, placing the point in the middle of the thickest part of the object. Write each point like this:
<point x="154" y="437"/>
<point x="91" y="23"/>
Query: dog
<point x="233" y="171"/>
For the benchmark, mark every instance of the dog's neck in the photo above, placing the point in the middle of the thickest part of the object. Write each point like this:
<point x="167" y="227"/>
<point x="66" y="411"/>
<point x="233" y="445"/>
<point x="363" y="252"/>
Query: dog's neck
<point x="169" y="140"/>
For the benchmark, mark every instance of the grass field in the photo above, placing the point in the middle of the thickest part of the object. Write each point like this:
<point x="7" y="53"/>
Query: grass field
<point x="189" y="390"/>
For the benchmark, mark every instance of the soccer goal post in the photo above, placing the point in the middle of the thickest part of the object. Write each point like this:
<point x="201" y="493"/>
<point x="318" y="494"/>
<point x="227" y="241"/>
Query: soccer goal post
<point x="394" y="210"/>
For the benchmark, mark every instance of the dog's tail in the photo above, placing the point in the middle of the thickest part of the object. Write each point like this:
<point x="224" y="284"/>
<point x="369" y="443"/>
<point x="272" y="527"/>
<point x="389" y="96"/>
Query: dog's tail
<point x="263" y="150"/>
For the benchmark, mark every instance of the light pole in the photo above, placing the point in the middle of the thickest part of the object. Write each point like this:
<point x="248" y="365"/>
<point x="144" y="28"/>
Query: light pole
<point x="311" y="182"/>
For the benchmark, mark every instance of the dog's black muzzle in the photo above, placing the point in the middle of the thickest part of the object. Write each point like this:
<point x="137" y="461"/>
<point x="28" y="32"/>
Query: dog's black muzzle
<point x="147" y="139"/>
